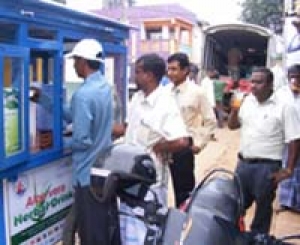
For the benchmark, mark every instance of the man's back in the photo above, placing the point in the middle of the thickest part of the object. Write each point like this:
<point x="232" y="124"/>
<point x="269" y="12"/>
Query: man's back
<point x="91" y="107"/>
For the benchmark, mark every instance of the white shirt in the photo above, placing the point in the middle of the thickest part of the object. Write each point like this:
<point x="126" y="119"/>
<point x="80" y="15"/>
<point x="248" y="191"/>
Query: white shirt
<point x="207" y="85"/>
<point x="279" y="77"/>
<point x="151" y="119"/>
<point x="286" y="95"/>
<point x="266" y="127"/>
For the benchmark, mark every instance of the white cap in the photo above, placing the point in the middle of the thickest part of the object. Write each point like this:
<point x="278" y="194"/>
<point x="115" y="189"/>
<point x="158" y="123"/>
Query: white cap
<point x="89" y="49"/>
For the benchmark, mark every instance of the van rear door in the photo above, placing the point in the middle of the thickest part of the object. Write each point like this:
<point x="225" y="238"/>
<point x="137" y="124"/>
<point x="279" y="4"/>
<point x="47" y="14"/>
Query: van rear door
<point x="251" y="40"/>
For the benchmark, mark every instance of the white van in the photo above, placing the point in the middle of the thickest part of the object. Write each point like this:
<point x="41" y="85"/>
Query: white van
<point x="256" y="44"/>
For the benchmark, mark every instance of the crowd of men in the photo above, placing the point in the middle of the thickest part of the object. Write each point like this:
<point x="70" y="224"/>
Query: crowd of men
<point x="174" y="122"/>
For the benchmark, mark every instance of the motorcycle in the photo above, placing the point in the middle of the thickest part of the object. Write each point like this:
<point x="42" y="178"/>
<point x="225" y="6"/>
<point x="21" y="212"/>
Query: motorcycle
<point x="213" y="215"/>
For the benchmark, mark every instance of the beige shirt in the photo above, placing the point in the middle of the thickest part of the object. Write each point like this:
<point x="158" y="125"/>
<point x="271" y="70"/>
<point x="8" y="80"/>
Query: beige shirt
<point x="266" y="127"/>
<point x="151" y="119"/>
<point x="196" y="111"/>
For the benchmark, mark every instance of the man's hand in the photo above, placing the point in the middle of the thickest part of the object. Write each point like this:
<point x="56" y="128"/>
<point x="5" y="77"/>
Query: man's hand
<point x="237" y="100"/>
<point x="195" y="149"/>
<point x="161" y="151"/>
<point x="282" y="174"/>
<point x="118" y="130"/>
<point x="160" y="147"/>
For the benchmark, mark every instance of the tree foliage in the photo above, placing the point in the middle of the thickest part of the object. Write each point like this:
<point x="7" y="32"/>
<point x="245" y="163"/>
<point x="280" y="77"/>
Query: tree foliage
<point x="266" y="13"/>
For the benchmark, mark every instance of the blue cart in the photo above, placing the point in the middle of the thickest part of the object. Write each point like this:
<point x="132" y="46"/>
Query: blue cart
<point x="35" y="169"/>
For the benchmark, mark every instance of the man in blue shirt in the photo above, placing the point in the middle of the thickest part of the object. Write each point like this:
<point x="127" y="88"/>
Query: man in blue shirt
<point x="91" y="117"/>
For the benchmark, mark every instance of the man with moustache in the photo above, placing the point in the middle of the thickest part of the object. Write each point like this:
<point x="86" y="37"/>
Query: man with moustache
<point x="267" y="125"/>
<point x="154" y="120"/>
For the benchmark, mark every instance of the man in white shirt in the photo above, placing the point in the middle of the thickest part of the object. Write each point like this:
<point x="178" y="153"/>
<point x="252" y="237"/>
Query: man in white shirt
<point x="154" y="123"/>
<point x="266" y="125"/>
<point x="278" y="72"/>
<point x="207" y="84"/>
<point x="154" y="120"/>
<point x="289" y="194"/>
<point x="199" y="118"/>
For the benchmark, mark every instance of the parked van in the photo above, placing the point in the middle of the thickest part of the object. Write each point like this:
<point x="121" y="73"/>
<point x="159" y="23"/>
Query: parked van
<point x="233" y="50"/>
<point x="256" y="45"/>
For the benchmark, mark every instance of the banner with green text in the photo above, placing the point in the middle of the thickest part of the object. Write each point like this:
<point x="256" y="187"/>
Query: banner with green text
<point x="36" y="204"/>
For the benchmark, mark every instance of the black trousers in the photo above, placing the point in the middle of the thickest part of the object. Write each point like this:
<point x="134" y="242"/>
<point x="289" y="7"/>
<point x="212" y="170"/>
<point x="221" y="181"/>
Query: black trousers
<point x="258" y="187"/>
<point x="70" y="227"/>
<point x="182" y="172"/>
<point x="97" y="222"/>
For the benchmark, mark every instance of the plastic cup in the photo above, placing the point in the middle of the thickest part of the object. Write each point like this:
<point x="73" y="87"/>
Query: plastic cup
<point x="237" y="99"/>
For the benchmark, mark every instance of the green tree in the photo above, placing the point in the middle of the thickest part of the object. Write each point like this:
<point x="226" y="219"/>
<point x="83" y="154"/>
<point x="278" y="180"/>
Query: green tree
<point x="267" y="13"/>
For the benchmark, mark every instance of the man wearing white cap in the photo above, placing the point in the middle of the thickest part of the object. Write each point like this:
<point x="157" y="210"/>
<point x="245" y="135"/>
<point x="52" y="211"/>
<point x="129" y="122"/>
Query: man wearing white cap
<point x="91" y="117"/>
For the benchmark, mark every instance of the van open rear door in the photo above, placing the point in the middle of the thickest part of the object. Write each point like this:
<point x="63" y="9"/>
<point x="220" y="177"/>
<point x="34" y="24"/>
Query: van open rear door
<point x="253" y="42"/>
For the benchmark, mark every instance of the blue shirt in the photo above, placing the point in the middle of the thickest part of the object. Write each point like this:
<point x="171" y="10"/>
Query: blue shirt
<point x="91" y="116"/>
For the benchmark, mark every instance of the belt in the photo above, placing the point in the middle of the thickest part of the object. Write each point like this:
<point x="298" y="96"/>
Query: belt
<point x="257" y="160"/>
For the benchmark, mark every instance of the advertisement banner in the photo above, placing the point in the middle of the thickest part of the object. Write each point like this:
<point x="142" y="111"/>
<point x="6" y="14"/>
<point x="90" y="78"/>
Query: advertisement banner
<point x="36" y="204"/>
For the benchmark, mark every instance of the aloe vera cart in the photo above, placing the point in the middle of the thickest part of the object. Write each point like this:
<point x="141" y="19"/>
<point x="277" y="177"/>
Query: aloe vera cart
<point x="35" y="169"/>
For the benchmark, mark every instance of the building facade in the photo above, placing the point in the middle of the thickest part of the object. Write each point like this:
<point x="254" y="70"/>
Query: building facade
<point x="163" y="29"/>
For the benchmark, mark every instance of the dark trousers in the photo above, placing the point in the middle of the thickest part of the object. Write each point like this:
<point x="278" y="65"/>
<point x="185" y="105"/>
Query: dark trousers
<point x="182" y="172"/>
<point x="97" y="222"/>
<point x="258" y="187"/>
<point x="70" y="228"/>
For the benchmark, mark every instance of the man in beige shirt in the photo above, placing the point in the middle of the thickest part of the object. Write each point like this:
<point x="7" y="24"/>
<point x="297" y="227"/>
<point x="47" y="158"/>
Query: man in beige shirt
<point x="199" y="119"/>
